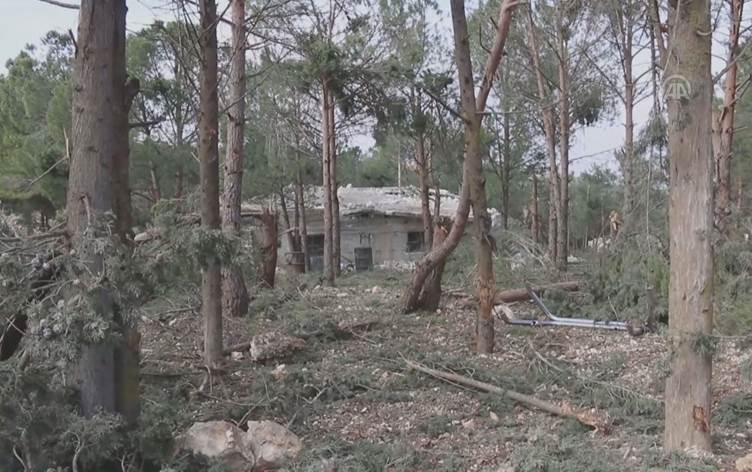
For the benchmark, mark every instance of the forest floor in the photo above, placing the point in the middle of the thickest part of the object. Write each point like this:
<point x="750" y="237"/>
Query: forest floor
<point x="357" y="406"/>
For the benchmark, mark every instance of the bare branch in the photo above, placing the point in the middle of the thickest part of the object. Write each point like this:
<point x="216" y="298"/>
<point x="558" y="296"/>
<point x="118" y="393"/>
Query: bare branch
<point x="497" y="51"/>
<point x="70" y="6"/>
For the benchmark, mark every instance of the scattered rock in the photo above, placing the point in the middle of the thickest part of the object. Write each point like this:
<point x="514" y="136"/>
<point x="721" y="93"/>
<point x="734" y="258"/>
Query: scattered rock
<point x="494" y="417"/>
<point x="280" y="372"/>
<point x="469" y="424"/>
<point x="375" y="289"/>
<point x="274" y="345"/>
<point x="146" y="236"/>
<point x="744" y="464"/>
<point x="236" y="356"/>
<point x="273" y="445"/>
<point x="219" y="440"/>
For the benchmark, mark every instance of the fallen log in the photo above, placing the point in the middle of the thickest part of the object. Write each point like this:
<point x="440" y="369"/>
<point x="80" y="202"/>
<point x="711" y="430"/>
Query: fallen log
<point x="591" y="419"/>
<point x="522" y="294"/>
<point x="330" y="330"/>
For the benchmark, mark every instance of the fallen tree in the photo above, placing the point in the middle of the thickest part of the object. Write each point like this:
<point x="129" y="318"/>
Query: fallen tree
<point x="522" y="294"/>
<point x="592" y="419"/>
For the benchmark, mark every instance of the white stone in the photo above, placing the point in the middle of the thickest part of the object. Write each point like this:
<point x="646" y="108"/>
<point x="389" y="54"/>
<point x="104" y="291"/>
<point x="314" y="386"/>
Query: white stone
<point x="744" y="464"/>
<point x="219" y="440"/>
<point x="273" y="445"/>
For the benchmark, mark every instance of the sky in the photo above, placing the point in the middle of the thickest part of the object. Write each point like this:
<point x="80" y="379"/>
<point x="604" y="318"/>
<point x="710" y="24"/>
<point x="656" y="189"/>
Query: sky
<point x="26" y="21"/>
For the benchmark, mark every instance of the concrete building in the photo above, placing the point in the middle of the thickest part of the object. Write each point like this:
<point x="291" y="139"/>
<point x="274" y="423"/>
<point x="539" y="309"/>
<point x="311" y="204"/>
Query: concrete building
<point x="380" y="226"/>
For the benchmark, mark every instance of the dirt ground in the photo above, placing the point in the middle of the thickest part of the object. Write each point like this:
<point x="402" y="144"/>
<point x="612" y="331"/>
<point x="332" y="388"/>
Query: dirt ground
<point x="357" y="407"/>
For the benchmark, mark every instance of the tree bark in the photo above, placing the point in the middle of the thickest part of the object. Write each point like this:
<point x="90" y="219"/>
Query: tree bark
<point x="329" y="270"/>
<point x="548" y="128"/>
<point x="90" y="194"/>
<point x="234" y="292"/>
<point x="431" y="294"/>
<point x="562" y="236"/>
<point x="154" y="189"/>
<point x="289" y="230"/>
<point x="689" y="94"/>
<point x="425" y="201"/>
<point x="534" y="214"/>
<point x="268" y="269"/>
<point x="506" y="167"/>
<point x="300" y="196"/>
<point x="127" y="352"/>
<point x="121" y="192"/>
<point x="723" y="152"/>
<point x="125" y="92"/>
<point x="336" y="235"/>
<point x="485" y="283"/>
<point x="630" y="193"/>
<point x="211" y="276"/>
<point x="623" y="20"/>
<point x="179" y="119"/>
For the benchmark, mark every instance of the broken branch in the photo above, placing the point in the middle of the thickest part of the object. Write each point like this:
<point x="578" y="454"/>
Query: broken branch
<point x="591" y="419"/>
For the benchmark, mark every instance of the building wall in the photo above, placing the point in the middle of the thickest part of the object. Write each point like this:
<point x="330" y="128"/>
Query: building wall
<point x="386" y="235"/>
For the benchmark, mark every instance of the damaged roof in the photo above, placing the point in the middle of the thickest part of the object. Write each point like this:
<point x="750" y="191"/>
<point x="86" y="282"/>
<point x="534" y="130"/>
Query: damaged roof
<point x="387" y="201"/>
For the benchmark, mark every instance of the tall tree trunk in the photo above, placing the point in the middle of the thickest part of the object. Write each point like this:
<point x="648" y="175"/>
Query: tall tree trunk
<point x="125" y="92"/>
<point x="154" y="189"/>
<point x="485" y="283"/>
<point x="336" y="235"/>
<point x="268" y="268"/>
<point x="562" y="236"/>
<point x="95" y="143"/>
<point x="628" y="159"/>
<point x="623" y="30"/>
<point x="424" y="267"/>
<point x="436" y="201"/>
<point x="179" y="129"/>
<point x="689" y="92"/>
<point x="211" y="275"/>
<point x="535" y="211"/>
<point x="506" y="167"/>
<point x="303" y="228"/>
<point x="296" y="219"/>
<point x="425" y="200"/>
<point x="289" y="230"/>
<point x="234" y="292"/>
<point x="329" y="269"/>
<point x="549" y="130"/>
<point x="723" y="152"/>
<point x="127" y="352"/>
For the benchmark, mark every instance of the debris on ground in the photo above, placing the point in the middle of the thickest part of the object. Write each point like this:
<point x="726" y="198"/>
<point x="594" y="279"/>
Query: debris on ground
<point x="356" y="406"/>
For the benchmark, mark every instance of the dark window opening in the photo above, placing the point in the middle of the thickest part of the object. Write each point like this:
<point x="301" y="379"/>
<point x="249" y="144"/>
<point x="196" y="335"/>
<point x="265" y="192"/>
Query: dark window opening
<point x="363" y="259"/>
<point x="316" y="252"/>
<point x="315" y="244"/>
<point x="416" y="241"/>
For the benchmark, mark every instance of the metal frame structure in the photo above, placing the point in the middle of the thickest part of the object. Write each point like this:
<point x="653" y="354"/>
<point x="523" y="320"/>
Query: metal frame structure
<point x="553" y="320"/>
